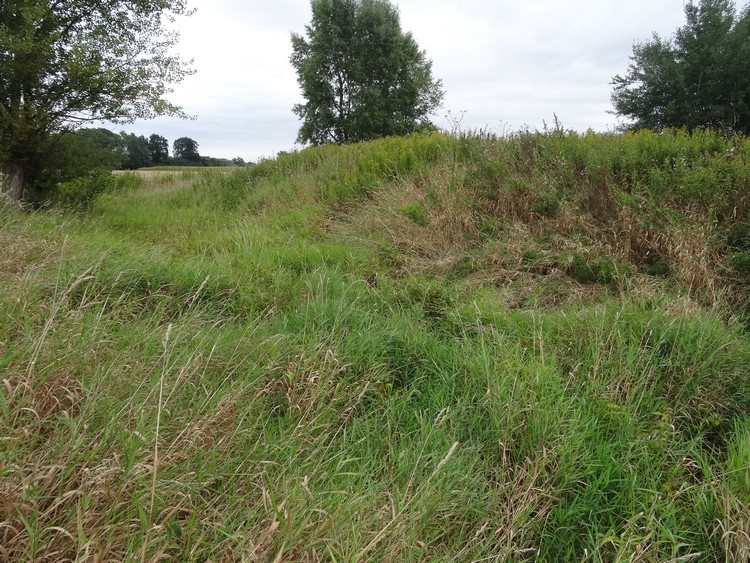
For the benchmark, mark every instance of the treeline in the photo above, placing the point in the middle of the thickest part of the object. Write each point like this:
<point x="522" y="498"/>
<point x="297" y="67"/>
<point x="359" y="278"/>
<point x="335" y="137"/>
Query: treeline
<point x="102" y="148"/>
<point x="90" y="154"/>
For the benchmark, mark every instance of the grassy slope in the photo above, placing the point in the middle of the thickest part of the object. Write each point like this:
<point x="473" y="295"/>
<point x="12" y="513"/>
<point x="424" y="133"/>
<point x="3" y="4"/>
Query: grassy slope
<point x="427" y="348"/>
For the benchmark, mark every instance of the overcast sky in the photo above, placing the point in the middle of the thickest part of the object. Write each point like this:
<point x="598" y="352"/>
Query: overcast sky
<point x="505" y="64"/>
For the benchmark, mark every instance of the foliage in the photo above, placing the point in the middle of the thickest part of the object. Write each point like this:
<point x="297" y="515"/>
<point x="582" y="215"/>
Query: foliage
<point x="137" y="153"/>
<point x="82" y="190"/>
<point x="211" y="161"/>
<point x="86" y="149"/>
<point x="362" y="77"/>
<point x="186" y="149"/>
<point x="700" y="78"/>
<point x="158" y="148"/>
<point x="106" y="144"/>
<point x="416" y="214"/>
<point x="67" y="63"/>
<point x="71" y="154"/>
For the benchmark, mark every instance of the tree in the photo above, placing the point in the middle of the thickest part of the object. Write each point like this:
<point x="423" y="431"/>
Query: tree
<point x="361" y="75"/>
<point x="137" y="154"/>
<point x="71" y="154"/>
<point x="186" y="149"/>
<point x="89" y="148"/>
<point x="700" y="78"/>
<point x="63" y="64"/>
<point x="158" y="147"/>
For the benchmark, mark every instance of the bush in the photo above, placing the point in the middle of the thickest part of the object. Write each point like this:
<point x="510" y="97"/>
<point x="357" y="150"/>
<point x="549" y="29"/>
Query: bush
<point x="83" y="190"/>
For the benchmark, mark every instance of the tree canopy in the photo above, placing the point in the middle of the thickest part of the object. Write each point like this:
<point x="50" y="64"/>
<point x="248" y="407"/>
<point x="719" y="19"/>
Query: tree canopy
<point x="699" y="78"/>
<point x="362" y="77"/>
<point x="136" y="151"/>
<point x="158" y="147"/>
<point x="67" y="63"/>
<point x="186" y="149"/>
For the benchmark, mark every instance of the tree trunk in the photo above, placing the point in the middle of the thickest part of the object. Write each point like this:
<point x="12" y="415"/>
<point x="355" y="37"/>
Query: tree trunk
<point x="14" y="177"/>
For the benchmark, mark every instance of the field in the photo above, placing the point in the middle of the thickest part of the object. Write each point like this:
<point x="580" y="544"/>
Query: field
<point x="434" y="348"/>
<point x="174" y="170"/>
<point x="187" y="169"/>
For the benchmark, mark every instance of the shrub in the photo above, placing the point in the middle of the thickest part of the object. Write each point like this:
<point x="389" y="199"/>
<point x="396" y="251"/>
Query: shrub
<point x="83" y="190"/>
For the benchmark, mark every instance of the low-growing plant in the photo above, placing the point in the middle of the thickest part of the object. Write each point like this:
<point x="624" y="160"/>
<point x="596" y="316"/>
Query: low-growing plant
<point x="739" y="237"/>
<point x="741" y="262"/>
<point x="82" y="191"/>
<point x="658" y="269"/>
<point x="548" y="206"/>
<point x="416" y="213"/>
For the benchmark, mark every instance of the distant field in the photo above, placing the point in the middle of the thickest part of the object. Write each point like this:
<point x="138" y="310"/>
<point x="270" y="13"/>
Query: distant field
<point x="434" y="348"/>
<point x="162" y="170"/>
<point x="188" y="168"/>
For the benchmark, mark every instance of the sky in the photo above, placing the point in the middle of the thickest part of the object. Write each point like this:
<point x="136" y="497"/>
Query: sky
<point x="505" y="65"/>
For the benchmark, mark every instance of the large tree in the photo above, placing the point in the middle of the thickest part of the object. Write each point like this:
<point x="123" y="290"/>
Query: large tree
<point x="158" y="147"/>
<point x="362" y="77"/>
<point x="186" y="149"/>
<point x="65" y="63"/>
<point x="137" y="154"/>
<point x="699" y="78"/>
<point x="88" y="149"/>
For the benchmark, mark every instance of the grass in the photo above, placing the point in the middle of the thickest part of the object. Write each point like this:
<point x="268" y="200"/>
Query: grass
<point x="433" y="348"/>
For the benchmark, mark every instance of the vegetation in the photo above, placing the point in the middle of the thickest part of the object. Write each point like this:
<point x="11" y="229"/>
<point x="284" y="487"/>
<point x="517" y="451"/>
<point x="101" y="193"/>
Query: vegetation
<point x="186" y="149"/>
<point x="158" y="149"/>
<point x="700" y="78"/>
<point x="425" y="348"/>
<point x="362" y="77"/>
<point x="67" y="63"/>
<point x="79" y="152"/>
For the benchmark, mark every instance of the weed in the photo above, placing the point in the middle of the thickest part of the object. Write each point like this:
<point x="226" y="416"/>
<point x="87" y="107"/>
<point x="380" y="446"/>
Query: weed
<point x="416" y="214"/>
<point x="428" y="348"/>
<point x="741" y="262"/>
<point x="548" y="207"/>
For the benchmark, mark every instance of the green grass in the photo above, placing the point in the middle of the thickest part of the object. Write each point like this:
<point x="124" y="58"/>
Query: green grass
<point x="432" y="348"/>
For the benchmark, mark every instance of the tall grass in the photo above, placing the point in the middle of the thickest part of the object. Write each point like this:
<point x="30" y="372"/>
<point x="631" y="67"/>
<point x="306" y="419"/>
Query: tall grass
<point x="432" y="348"/>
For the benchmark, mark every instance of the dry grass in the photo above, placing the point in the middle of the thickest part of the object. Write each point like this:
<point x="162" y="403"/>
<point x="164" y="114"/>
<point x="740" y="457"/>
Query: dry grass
<point x="736" y="528"/>
<point x="434" y="245"/>
<point x="23" y="253"/>
<point x="596" y="226"/>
